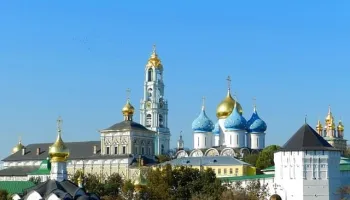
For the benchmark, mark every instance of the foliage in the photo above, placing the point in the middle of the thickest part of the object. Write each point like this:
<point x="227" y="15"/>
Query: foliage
<point x="251" y="158"/>
<point x="113" y="185"/>
<point x="4" y="195"/>
<point x="182" y="183"/>
<point x="36" y="180"/>
<point x="347" y="153"/>
<point x="162" y="158"/>
<point x="265" y="158"/>
<point x="253" y="191"/>
<point x="344" y="192"/>
<point x="128" y="190"/>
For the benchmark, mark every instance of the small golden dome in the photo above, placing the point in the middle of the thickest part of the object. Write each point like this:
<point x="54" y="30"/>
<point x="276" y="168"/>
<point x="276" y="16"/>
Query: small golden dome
<point x="226" y="106"/>
<point x="58" y="151"/>
<point x="154" y="60"/>
<point x="319" y="126"/>
<point x="128" y="109"/>
<point x="18" y="147"/>
<point x="340" y="126"/>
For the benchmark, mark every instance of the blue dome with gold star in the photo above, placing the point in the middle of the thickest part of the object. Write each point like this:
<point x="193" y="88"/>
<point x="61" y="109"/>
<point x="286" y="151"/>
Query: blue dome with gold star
<point x="235" y="121"/>
<point x="216" y="129"/>
<point x="202" y="123"/>
<point x="256" y="124"/>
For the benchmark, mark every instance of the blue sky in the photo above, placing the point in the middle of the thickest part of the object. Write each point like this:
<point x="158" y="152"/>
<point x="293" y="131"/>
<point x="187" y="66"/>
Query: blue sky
<point x="76" y="59"/>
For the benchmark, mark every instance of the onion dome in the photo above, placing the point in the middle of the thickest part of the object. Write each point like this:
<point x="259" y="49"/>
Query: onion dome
<point x="340" y="126"/>
<point x="18" y="147"/>
<point x="154" y="61"/>
<point x="329" y="116"/>
<point x="226" y="106"/>
<point x="235" y="121"/>
<point x="319" y="126"/>
<point x="202" y="123"/>
<point x="128" y="109"/>
<point x="255" y="123"/>
<point x="58" y="151"/>
<point x="216" y="129"/>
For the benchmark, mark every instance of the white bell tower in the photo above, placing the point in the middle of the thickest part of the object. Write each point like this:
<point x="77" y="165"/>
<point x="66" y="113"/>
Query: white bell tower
<point x="154" y="106"/>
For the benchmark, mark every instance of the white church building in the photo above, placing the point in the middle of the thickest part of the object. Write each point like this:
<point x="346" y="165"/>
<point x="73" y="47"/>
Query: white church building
<point x="307" y="167"/>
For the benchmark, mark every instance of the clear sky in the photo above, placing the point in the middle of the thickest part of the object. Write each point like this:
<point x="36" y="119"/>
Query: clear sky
<point x="77" y="58"/>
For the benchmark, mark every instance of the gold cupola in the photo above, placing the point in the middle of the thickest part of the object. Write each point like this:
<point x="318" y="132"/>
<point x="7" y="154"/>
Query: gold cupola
<point x="58" y="151"/>
<point x="18" y="147"/>
<point x="319" y="126"/>
<point x="329" y="117"/>
<point x="154" y="60"/>
<point x="340" y="126"/>
<point x="128" y="110"/>
<point x="226" y="106"/>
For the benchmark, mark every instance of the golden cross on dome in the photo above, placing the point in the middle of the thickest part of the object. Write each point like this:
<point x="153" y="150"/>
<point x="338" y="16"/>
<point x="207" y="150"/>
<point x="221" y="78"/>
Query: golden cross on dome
<point x="59" y="124"/>
<point x="229" y="82"/>
<point x="19" y="139"/>
<point x="128" y="91"/>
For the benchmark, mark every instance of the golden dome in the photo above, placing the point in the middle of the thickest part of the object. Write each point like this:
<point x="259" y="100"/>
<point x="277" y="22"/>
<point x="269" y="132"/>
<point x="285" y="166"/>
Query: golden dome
<point x="226" y="106"/>
<point x="154" y="60"/>
<point x="329" y="116"/>
<point x="18" y="147"/>
<point x="319" y="126"/>
<point x="58" y="151"/>
<point x="340" y="126"/>
<point x="128" y="109"/>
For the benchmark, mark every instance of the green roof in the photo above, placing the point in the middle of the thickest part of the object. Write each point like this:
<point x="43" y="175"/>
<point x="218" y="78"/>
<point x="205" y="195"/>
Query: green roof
<point x="240" y="178"/>
<point x="44" y="169"/>
<point x="15" y="187"/>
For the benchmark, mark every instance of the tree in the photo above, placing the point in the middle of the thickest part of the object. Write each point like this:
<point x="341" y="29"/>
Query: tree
<point x="344" y="192"/>
<point x="253" y="191"/>
<point x="93" y="184"/>
<point x="36" y="180"/>
<point x="251" y="158"/>
<point x="4" y="195"/>
<point x="113" y="185"/>
<point x="163" y="158"/>
<point x="128" y="190"/>
<point x="265" y="158"/>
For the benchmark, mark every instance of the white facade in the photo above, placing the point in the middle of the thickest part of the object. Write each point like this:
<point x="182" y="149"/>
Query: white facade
<point x="235" y="139"/>
<point x="256" y="140"/>
<point x="59" y="171"/>
<point x="202" y="140"/>
<point x="154" y="106"/>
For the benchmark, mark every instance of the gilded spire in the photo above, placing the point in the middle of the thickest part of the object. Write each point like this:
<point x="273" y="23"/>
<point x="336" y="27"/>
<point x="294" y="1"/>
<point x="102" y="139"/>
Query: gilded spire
<point x="329" y="116"/>
<point x="319" y="127"/>
<point x="58" y="151"/>
<point x="154" y="60"/>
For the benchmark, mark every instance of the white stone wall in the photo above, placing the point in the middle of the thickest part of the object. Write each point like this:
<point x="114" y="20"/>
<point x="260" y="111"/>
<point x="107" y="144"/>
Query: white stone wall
<point x="235" y="139"/>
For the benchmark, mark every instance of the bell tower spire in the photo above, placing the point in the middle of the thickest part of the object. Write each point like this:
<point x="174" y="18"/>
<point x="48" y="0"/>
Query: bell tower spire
<point x="154" y="106"/>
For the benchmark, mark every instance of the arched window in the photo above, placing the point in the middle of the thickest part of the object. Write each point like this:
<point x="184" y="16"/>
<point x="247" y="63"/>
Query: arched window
<point x="150" y="72"/>
<point x="150" y="91"/>
<point x="148" y="120"/>
<point x="161" y="122"/>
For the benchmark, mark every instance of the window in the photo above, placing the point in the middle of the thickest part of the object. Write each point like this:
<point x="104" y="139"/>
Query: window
<point x="162" y="150"/>
<point x="124" y="149"/>
<point x="107" y="150"/>
<point x="237" y="139"/>
<point x="205" y="141"/>
<point x="115" y="150"/>
<point x="236" y="171"/>
<point x="148" y="120"/>
<point x="161" y="121"/>
<point x="219" y="171"/>
<point x="136" y="150"/>
<point x="257" y="142"/>
<point x="230" y="139"/>
<point x="198" y="140"/>
<point x="225" y="171"/>
<point x="231" y="171"/>
<point x="149" y="150"/>
<point x="142" y="150"/>
<point x="150" y="72"/>
<point x="214" y="170"/>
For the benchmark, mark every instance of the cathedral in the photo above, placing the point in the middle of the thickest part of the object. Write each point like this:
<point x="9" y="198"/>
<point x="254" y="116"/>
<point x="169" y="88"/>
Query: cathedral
<point x="231" y="135"/>
<point x="120" y="145"/>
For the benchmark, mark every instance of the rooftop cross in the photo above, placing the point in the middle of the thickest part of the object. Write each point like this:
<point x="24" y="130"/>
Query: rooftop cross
<point x="305" y="120"/>
<point x="154" y="49"/>
<point x="59" y="124"/>
<point x="128" y="91"/>
<point x="203" y="103"/>
<point x="229" y="82"/>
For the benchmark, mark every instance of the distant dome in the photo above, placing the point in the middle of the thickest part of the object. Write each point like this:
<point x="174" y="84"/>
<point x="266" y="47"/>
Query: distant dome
<point x="216" y="129"/>
<point x="235" y="121"/>
<point x="256" y="124"/>
<point x="202" y="123"/>
<point x="18" y="147"/>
